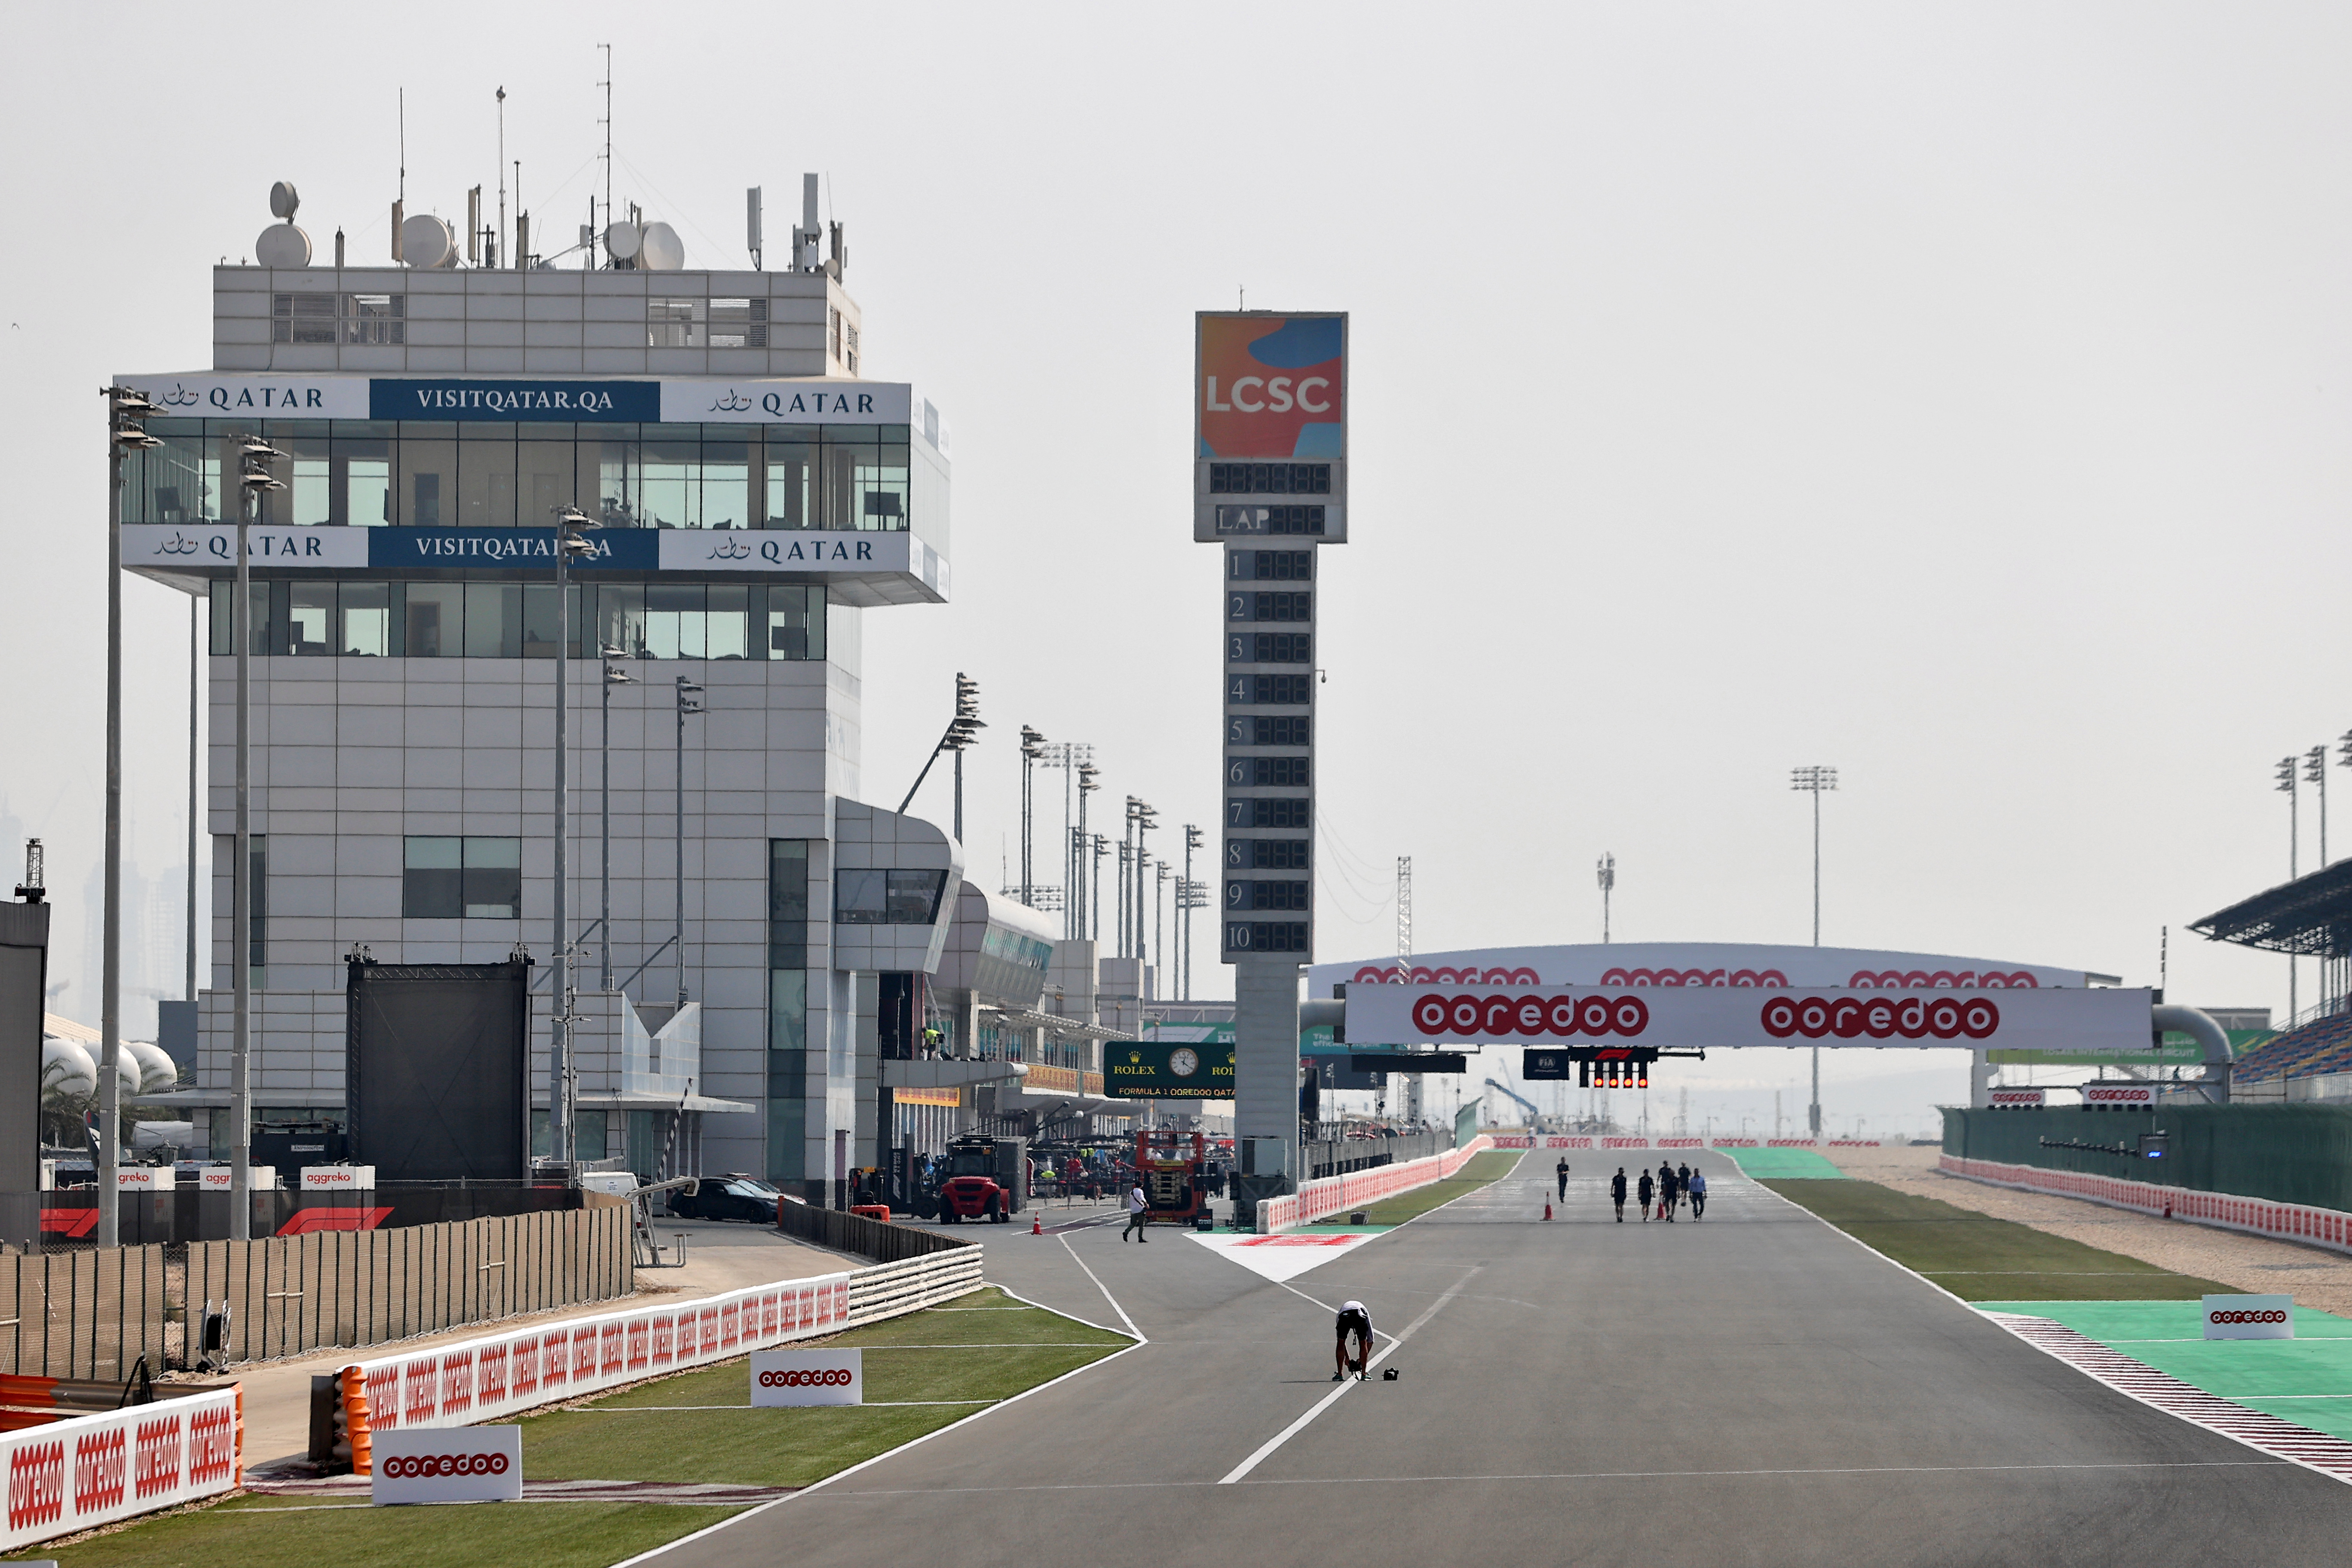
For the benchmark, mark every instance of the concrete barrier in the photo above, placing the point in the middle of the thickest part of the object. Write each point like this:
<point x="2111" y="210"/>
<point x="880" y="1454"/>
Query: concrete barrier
<point x="2304" y="1223"/>
<point x="1337" y="1194"/>
<point x="84" y="1471"/>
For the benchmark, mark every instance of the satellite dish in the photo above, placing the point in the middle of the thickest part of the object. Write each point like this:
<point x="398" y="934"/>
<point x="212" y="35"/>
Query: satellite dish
<point x="283" y="200"/>
<point x="622" y="241"/>
<point x="427" y="241"/>
<point x="663" y="250"/>
<point x="282" y="244"/>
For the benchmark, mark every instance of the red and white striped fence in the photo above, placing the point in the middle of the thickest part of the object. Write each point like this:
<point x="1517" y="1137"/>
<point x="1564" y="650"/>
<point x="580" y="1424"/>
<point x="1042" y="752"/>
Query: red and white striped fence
<point x="2304" y="1223"/>
<point x="1585" y="1141"/>
<point x="83" y="1471"/>
<point x="1337" y="1194"/>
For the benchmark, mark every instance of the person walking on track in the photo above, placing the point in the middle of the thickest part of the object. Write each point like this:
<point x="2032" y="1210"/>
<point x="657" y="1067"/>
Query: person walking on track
<point x="1134" y="1215"/>
<point x="1699" y="1194"/>
<point x="1560" y="1172"/>
<point x="1357" y="1323"/>
<point x="1617" y="1193"/>
<point x="1643" y="1192"/>
<point x="1665" y="1192"/>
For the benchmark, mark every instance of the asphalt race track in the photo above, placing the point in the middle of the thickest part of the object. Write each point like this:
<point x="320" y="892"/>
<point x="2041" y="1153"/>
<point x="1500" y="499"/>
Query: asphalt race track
<point x="1754" y="1389"/>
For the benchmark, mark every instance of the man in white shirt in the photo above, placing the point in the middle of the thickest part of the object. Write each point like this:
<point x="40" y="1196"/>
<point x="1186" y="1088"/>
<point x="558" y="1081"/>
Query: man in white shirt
<point x="1135" y="1206"/>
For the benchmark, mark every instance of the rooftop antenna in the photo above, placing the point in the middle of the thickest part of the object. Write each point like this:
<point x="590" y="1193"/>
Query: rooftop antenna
<point x="607" y="85"/>
<point x="400" y="198"/>
<point x="751" y="226"/>
<point x="502" y="178"/>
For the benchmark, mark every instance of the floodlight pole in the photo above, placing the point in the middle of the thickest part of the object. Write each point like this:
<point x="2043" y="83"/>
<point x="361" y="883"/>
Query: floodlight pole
<point x="110" y="1080"/>
<point x="687" y="707"/>
<point x="252" y="483"/>
<point x="1815" y="781"/>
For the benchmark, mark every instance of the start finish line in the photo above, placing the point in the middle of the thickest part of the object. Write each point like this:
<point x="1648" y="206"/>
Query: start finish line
<point x="2116" y="1020"/>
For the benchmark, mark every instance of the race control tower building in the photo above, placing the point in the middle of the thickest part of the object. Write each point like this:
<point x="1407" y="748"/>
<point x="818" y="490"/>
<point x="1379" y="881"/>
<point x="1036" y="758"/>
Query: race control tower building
<point x="753" y="498"/>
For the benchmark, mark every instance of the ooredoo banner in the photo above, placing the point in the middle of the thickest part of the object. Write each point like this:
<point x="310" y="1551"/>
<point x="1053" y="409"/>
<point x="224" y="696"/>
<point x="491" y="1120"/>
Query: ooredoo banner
<point x="447" y="1464"/>
<point x="1696" y="1018"/>
<point x="2250" y="1317"/>
<point x="808" y="1377"/>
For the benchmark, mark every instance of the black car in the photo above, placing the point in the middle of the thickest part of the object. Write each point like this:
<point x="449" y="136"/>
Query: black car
<point x="730" y="1197"/>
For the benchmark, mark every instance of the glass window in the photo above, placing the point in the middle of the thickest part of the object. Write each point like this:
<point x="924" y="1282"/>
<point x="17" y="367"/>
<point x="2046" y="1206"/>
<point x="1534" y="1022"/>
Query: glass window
<point x="432" y="882"/>
<point x="790" y="474"/>
<point x="795" y="621"/>
<point x="544" y="484"/>
<point x="366" y="612"/>
<point x="838" y="464"/>
<point x="493" y="620"/>
<point x="672" y="488"/>
<point x="727" y="622"/>
<point x="612" y="469"/>
<point x="427" y="496"/>
<point x="539" y="629"/>
<point x="223" y="597"/>
<point x="376" y="317"/>
<point x="302" y="319"/>
<point x="486" y="476"/>
<point x="674" y="321"/>
<point x="887" y="898"/>
<point x="310" y="615"/>
<point x="675" y="622"/>
<point x="359" y="492"/>
<point x="881" y="485"/>
<point x="434" y="619"/>
<point x="177" y="482"/>
<point x="621" y="618"/>
<point x="494" y="878"/>
<point x="738" y="323"/>
<point x="726" y="484"/>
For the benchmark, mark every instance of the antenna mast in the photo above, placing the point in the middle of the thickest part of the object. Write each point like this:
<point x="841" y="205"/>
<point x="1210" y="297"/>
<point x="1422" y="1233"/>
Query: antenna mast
<point x="1404" y="919"/>
<point x="607" y="85"/>
<point x="502" y="178"/>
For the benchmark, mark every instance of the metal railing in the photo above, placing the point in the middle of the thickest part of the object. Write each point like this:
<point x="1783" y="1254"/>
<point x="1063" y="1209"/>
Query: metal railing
<point x="866" y="1237"/>
<point x="93" y="1314"/>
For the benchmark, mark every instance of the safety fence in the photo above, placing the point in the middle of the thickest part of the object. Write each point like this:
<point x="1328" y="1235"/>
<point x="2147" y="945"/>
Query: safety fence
<point x="2287" y="1153"/>
<point x="2309" y="1225"/>
<point x="874" y="1238"/>
<point x="1613" y="1141"/>
<point x="504" y="1374"/>
<point x="84" y="1471"/>
<point x="1337" y="1194"/>
<point x="93" y="1314"/>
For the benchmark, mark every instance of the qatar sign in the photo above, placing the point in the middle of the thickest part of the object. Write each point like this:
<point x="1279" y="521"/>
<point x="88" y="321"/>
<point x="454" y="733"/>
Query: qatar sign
<point x="1697" y="1017"/>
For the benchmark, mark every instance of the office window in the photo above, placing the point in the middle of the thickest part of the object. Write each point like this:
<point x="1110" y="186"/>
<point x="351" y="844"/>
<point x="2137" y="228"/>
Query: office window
<point x="887" y="898"/>
<point x="470" y="879"/>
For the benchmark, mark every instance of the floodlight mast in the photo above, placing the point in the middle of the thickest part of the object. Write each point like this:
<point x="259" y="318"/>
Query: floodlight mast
<point x="1815" y="781"/>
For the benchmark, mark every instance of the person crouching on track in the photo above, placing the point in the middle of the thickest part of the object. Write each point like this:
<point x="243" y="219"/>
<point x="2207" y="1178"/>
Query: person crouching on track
<point x="1354" y="1320"/>
<point x="1643" y="1192"/>
<point x="1699" y="1194"/>
<point x="1617" y="1193"/>
<point x="1135" y="1206"/>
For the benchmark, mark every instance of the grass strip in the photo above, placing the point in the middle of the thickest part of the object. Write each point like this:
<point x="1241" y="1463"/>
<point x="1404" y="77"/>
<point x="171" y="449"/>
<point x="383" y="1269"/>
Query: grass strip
<point x="1784" y="1164"/>
<point x="627" y="1436"/>
<point x="1491" y="1165"/>
<point x="1979" y="1259"/>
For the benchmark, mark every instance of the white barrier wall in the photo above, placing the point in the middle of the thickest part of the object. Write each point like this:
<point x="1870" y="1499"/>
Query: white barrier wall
<point x="2330" y="1228"/>
<point x="1337" y="1194"/>
<point x="88" y="1471"/>
<point x="502" y="1374"/>
<point x="1581" y="1141"/>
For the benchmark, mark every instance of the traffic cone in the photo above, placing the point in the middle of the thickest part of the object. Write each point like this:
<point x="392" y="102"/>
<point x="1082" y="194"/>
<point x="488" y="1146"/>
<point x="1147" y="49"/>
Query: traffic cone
<point x="1546" y="1208"/>
<point x="1037" y="1225"/>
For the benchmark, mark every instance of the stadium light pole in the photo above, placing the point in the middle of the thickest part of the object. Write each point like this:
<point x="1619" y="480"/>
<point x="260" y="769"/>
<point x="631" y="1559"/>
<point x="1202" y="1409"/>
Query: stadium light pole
<point x="256" y="481"/>
<point x="2314" y="771"/>
<point x="1033" y="746"/>
<point x="124" y="436"/>
<point x="1815" y="781"/>
<point x="962" y="731"/>
<point x="2287" y="779"/>
<point x="1607" y="866"/>
<point x="687" y="708"/>
<point x="613" y="676"/>
<point x="570" y="541"/>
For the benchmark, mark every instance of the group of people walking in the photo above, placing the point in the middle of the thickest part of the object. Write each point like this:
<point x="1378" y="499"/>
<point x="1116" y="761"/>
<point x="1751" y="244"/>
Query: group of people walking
<point x="1672" y="1186"/>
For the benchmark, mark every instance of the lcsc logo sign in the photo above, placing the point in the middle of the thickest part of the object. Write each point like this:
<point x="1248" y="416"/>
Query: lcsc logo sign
<point x="808" y="1377"/>
<point x="447" y="1464"/>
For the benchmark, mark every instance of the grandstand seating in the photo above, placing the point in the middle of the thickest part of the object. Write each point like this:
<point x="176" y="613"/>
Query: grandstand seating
<point x="2323" y="1045"/>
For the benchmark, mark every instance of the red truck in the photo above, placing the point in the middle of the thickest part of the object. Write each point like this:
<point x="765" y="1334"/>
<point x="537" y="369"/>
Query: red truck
<point x="983" y="1180"/>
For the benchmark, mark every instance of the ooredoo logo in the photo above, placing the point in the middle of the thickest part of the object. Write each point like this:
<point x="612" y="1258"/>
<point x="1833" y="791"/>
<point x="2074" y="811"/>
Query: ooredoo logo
<point x="1496" y="1017"/>
<point x="1911" y="1017"/>
<point x="2272" y="1316"/>
<point x="839" y="1377"/>
<point x="418" y="1466"/>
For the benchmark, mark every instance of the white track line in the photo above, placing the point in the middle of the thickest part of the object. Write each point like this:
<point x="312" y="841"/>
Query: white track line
<point x="1139" y="1338"/>
<point x="1287" y="1433"/>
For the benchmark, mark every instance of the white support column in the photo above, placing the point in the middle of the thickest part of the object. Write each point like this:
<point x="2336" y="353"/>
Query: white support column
<point x="1265" y="1054"/>
<point x="1980" y="1071"/>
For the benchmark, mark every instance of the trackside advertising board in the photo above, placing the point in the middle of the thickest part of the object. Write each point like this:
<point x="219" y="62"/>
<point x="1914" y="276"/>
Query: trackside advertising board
<point x="808" y="1377"/>
<point x="447" y="1464"/>
<point x="1697" y="1017"/>
<point x="2250" y="1317"/>
<point x="1157" y="1069"/>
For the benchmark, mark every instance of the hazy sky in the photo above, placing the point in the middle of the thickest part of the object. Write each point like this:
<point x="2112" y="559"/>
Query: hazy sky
<point x="1944" y="393"/>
